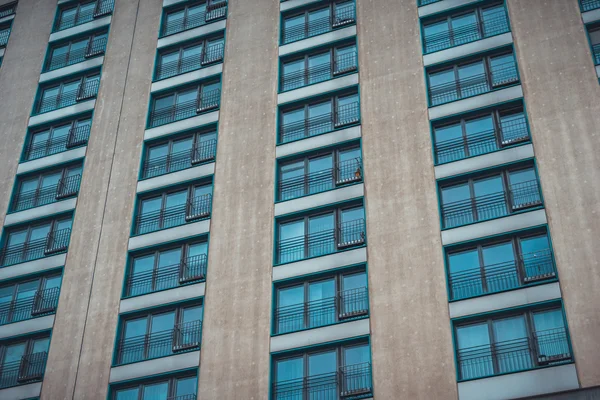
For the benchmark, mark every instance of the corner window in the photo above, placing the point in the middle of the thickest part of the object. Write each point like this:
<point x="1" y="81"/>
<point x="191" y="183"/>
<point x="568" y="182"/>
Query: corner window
<point x="58" y="138"/>
<point x="29" y="299"/>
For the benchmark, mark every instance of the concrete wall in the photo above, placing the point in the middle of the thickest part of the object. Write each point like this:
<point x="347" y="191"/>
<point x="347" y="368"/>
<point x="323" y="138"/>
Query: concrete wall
<point x="563" y="102"/>
<point x="235" y="338"/>
<point x="410" y="329"/>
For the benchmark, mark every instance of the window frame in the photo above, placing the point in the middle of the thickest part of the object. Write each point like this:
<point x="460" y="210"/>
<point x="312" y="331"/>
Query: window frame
<point x="171" y="380"/>
<point x="89" y="38"/>
<point x="181" y="47"/>
<point x="74" y="124"/>
<point x="42" y="281"/>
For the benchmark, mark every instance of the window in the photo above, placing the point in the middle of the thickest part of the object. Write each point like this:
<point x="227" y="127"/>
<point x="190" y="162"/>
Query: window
<point x="180" y="387"/>
<point x="320" y="233"/>
<point x="588" y="5"/>
<point x="319" y="172"/>
<point x="318" y="117"/>
<point x="23" y="360"/>
<point x="179" y="153"/>
<point x="318" y="66"/>
<point x="76" y="51"/>
<point x="35" y="241"/>
<point x="512" y="342"/>
<point x="329" y="373"/>
<point x="81" y="13"/>
<point x="464" y="27"/>
<point x="193" y="15"/>
<point x="47" y="187"/>
<point x="167" y="268"/>
<point x="159" y="333"/>
<point x="500" y="264"/>
<point x="488" y="196"/>
<point x="471" y="78"/>
<point x="189" y="57"/>
<point x="480" y="133"/>
<point x="4" y="34"/>
<point x="185" y="103"/>
<point x="173" y="208"/>
<point x="28" y="299"/>
<point x="316" y="21"/>
<point x="594" y="33"/>
<point x="8" y="9"/>
<point x="321" y="301"/>
<point x="68" y="93"/>
<point x="58" y="138"/>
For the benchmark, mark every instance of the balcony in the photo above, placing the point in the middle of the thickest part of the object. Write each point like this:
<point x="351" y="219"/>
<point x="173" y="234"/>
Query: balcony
<point x="103" y="7"/>
<point x="10" y="9"/>
<point x="85" y="91"/>
<point x="588" y="5"/>
<point x="94" y="48"/>
<point x="348" y="382"/>
<point x="54" y="243"/>
<point x="201" y="153"/>
<point x="320" y="72"/>
<point x="76" y="137"/>
<point x="30" y="368"/>
<point x="214" y="12"/>
<point x="43" y="302"/>
<point x="182" y="338"/>
<point x="205" y="101"/>
<point x="343" y="17"/>
<point x="4" y="37"/>
<point x="190" y="63"/>
<point x="66" y="187"/>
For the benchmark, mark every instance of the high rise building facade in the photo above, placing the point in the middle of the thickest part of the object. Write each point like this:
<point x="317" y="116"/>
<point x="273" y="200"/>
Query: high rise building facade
<point x="299" y="199"/>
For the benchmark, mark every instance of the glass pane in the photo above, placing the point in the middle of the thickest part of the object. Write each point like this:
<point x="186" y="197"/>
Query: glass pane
<point x="51" y="179"/>
<point x="357" y="370"/>
<point x="494" y="20"/>
<point x="500" y="267"/>
<point x="156" y="164"/>
<point x="293" y="28"/>
<point x="293" y="125"/>
<point x="61" y="131"/>
<point x="321" y="307"/>
<point x="352" y="229"/>
<point x="149" y="213"/>
<point x="174" y="212"/>
<point x="168" y="64"/>
<point x="349" y="166"/>
<point x="40" y="137"/>
<point x="319" y="67"/>
<point x="132" y="347"/>
<point x="67" y="18"/>
<point x="168" y="269"/>
<point x="345" y="58"/>
<point x="53" y="282"/>
<point x="187" y="97"/>
<point x="181" y="153"/>
<point x="135" y="327"/>
<point x="524" y="188"/>
<point x="160" y="342"/>
<point x="536" y="255"/>
<point x="13" y="352"/>
<point x="319" y="21"/>
<point x="456" y="205"/>
<point x="320" y="172"/>
<point x="465" y="274"/>
<point x="157" y="391"/>
<point x="514" y="127"/>
<point x="320" y="119"/>
<point x="292" y="181"/>
<point x="40" y="345"/>
<point x="293" y="74"/>
<point x="191" y="58"/>
<point x="322" y="382"/>
<point x="186" y="386"/>
<point x="6" y="297"/>
<point x="436" y="36"/>
<point x="291" y="369"/>
<point x="291" y="241"/>
<point x="192" y="314"/>
<point x="512" y="344"/>
<point x="59" y="56"/>
<point x="26" y="188"/>
<point x="504" y="70"/>
<point x="354" y="297"/>
<point x="39" y="233"/>
<point x="472" y="79"/>
<point x="164" y="102"/>
<point x="442" y="87"/>
<point x="357" y="355"/>
<point x="128" y="394"/>
<point x="465" y="29"/>
<point x="489" y="197"/>
<point x="16" y="238"/>
<point x="321" y="235"/>
<point x="449" y="143"/>
<point x="481" y="135"/>
<point x="290" y="309"/>
<point x="141" y="278"/>
<point x="474" y="351"/>
<point x="551" y="336"/>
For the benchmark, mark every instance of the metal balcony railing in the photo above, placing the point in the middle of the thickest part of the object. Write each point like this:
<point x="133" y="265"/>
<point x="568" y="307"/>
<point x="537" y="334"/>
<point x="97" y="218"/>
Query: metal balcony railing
<point x="215" y="11"/>
<point x="94" y="48"/>
<point x="54" y="243"/>
<point x="347" y="234"/>
<point x="588" y="5"/>
<point x="183" y="397"/>
<point x="347" y="114"/>
<point x="43" y="302"/>
<point x="351" y="382"/>
<point x="549" y="347"/>
<point x="343" y="16"/>
<point x="346" y="305"/>
<point x="596" y="52"/>
<point x="183" y="337"/>
<point x="64" y="188"/>
<point x="194" y="209"/>
<point x="30" y="368"/>
<point x="190" y="63"/>
<point x="84" y="91"/>
<point x="4" y="37"/>
<point x="344" y="172"/>
<point x="191" y="269"/>
<point x="103" y="7"/>
<point x="205" y="101"/>
<point x="200" y="153"/>
<point x="496" y="23"/>
<point x="425" y="2"/>
<point x="76" y="137"/>
<point x="501" y="75"/>
<point x="10" y="9"/>
<point x="320" y="72"/>
<point x="528" y="268"/>
<point x="518" y="197"/>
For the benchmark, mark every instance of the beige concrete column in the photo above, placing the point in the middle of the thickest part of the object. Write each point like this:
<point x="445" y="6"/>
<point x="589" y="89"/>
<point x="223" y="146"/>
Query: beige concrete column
<point x="410" y="329"/>
<point x="562" y="96"/>
<point x="235" y="338"/>
<point x="83" y="337"/>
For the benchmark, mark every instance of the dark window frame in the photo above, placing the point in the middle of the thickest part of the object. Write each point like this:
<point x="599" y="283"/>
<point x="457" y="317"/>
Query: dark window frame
<point x="181" y="47"/>
<point x="74" y="123"/>
<point x="317" y="7"/>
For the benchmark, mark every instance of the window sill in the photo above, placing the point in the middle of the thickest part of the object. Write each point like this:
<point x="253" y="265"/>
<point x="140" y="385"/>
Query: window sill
<point x="186" y="350"/>
<point x="510" y="146"/>
<point x="358" y="182"/>
<point x="516" y="83"/>
<point x="364" y="316"/>
<point x="188" y="283"/>
<point x="280" y="143"/>
<point x="333" y="77"/>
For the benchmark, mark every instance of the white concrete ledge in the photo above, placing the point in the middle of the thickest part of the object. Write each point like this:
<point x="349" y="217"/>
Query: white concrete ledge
<point x="168" y="3"/>
<point x="7" y="18"/>
<point x="591" y="16"/>
<point x="598" y="71"/>
<point x="40" y="212"/>
<point x="318" y="40"/>
<point x="87" y="105"/>
<point x="176" y="177"/>
<point x="318" y="141"/>
<point x="54" y="159"/>
<point x="2" y="52"/>
<point x="183" y="125"/>
<point x="520" y="384"/>
<point x="188" y="77"/>
<point x="76" y="30"/>
<point x="288" y="5"/>
<point x="442" y="6"/>
<point x="468" y="49"/>
<point x="169" y="235"/>
<point x="318" y="88"/>
<point x="27" y="326"/>
<point x="312" y="337"/>
<point x="483" y="161"/>
<point x="320" y="264"/>
<point x="32" y="267"/>
<point x="494" y="227"/>
<point x="72" y="69"/>
<point x="476" y="102"/>
<point x="504" y="300"/>
<point x="154" y="367"/>
<point x="178" y="294"/>
<point x="191" y="34"/>
<point x="340" y="194"/>
<point x="30" y="391"/>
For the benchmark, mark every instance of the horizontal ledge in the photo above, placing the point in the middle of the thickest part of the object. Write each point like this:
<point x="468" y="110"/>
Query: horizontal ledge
<point x="322" y="39"/>
<point x="320" y="264"/>
<point x="72" y="69"/>
<point x="27" y="326"/>
<point x="467" y="49"/>
<point x="32" y="267"/>
<point x="174" y="178"/>
<point x="69" y="111"/>
<point x="342" y="193"/>
<point x="181" y="125"/>
<point x="168" y="296"/>
<point x="191" y="33"/>
<point x="155" y="366"/>
<point x="76" y="30"/>
<point x="182" y="79"/>
<point x="330" y="85"/>
<point x="41" y="211"/>
<point x="169" y="235"/>
<point x="318" y="141"/>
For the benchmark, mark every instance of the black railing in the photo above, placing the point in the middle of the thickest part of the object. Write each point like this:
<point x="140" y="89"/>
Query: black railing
<point x="320" y="72"/>
<point x="347" y="234"/>
<point x="30" y="368"/>
<point x="425" y="2"/>
<point x="4" y="37"/>
<point x="202" y="152"/>
<point x="205" y="101"/>
<point x="495" y="23"/>
<point x="76" y="137"/>
<point x="103" y="7"/>
<point x="587" y="5"/>
<point x="501" y="75"/>
<point x="217" y="11"/>
<point x="549" y="347"/>
<point x="191" y="269"/>
<point x="193" y="209"/>
<point x="8" y="10"/>
<point x="350" y="382"/>
<point x="343" y="16"/>
<point x="596" y="51"/>
<point x="183" y="337"/>
<point x="65" y="187"/>
<point x="94" y="48"/>
<point x="511" y="132"/>
<point x="519" y="196"/>
<point x="54" y="243"/>
<point x="345" y="115"/>
<point x="84" y="91"/>
<point x="183" y="397"/>
<point x="527" y="269"/>
<point x="43" y="302"/>
<point x="193" y="62"/>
